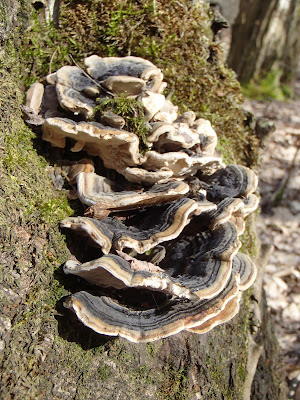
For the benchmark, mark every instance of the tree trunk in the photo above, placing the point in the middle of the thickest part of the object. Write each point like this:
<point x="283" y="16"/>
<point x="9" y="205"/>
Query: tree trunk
<point x="45" y="353"/>
<point x="265" y="37"/>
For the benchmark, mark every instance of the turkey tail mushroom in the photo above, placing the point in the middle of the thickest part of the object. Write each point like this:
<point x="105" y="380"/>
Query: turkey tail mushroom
<point x="174" y="190"/>
<point x="105" y="316"/>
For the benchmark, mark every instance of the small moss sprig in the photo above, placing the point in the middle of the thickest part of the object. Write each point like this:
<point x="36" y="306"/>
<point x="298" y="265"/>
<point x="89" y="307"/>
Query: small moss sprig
<point x="133" y="113"/>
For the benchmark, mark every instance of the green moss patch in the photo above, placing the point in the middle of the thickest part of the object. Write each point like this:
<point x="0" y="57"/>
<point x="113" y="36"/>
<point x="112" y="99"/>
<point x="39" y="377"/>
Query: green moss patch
<point x="133" y="113"/>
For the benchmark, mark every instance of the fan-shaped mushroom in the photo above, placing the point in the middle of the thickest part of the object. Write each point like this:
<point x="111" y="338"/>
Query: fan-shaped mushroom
<point x="108" y="317"/>
<point x="117" y="148"/>
<point x="231" y="181"/>
<point x="105" y="194"/>
<point x="230" y="310"/>
<point x="164" y="225"/>
<point x="113" y="271"/>
<point x="200" y="276"/>
<point x="103" y="68"/>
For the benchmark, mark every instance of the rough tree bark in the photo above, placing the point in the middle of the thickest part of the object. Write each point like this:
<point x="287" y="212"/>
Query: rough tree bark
<point x="265" y="37"/>
<point x="45" y="353"/>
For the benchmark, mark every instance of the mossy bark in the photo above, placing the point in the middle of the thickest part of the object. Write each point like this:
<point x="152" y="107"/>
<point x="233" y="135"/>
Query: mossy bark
<point x="44" y="351"/>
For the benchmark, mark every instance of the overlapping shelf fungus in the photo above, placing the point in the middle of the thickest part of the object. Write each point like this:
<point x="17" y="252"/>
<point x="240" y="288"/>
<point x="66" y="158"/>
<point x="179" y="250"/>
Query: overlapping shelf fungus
<point x="164" y="227"/>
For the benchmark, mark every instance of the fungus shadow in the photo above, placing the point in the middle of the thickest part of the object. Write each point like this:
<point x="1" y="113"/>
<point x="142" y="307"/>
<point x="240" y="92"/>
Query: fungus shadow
<point x="69" y="327"/>
<point x="72" y="330"/>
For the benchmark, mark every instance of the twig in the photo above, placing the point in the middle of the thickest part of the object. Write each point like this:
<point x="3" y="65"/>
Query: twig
<point x="51" y="59"/>
<point x="89" y="77"/>
<point x="170" y="94"/>
<point x="131" y="34"/>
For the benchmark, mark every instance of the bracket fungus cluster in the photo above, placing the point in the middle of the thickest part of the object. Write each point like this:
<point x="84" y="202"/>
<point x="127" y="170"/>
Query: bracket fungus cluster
<point x="166" y="228"/>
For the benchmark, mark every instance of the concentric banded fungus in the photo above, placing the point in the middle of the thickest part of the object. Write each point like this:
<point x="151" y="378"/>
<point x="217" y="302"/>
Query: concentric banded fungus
<point x="114" y="271"/>
<point x="74" y="90"/>
<point x="207" y="134"/>
<point x="250" y="205"/>
<point x="184" y="133"/>
<point x="233" y="209"/>
<point x="181" y="164"/>
<point x="172" y="137"/>
<point x="107" y="317"/>
<point x="104" y="68"/>
<point x="224" y="211"/>
<point x="246" y="269"/>
<point x="142" y="176"/>
<point x="164" y="226"/>
<point x="159" y="168"/>
<point x="200" y="276"/>
<point x="117" y="148"/>
<point x="95" y="189"/>
<point x="204" y="264"/>
<point x="96" y="230"/>
<point x="74" y="78"/>
<point x="72" y="100"/>
<point x="239" y="223"/>
<point x="230" y="310"/>
<point x="231" y="181"/>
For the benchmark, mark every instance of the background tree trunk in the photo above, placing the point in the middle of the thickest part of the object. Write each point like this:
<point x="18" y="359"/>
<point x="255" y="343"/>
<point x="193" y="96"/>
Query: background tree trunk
<point x="45" y="353"/>
<point x="265" y="37"/>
